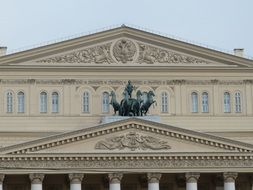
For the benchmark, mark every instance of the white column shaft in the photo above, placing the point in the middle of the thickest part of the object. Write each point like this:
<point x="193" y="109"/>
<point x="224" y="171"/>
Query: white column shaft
<point x="1" y="186"/>
<point x="191" y="186"/>
<point x="75" y="186"/>
<point x="153" y="186"/>
<point x="114" y="186"/>
<point x="229" y="186"/>
<point x="36" y="186"/>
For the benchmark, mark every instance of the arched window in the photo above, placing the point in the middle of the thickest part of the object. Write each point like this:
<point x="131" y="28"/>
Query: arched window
<point x="105" y="102"/>
<point x="43" y="102"/>
<point x="205" y="102"/>
<point x="21" y="102"/>
<point x="55" y="102"/>
<point x="9" y="102"/>
<point x="238" y="104"/>
<point x="227" y="102"/>
<point x="164" y="102"/>
<point x="194" y="97"/>
<point x="86" y="99"/>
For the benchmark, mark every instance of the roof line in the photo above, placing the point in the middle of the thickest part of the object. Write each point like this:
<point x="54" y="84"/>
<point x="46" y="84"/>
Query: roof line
<point x="111" y="27"/>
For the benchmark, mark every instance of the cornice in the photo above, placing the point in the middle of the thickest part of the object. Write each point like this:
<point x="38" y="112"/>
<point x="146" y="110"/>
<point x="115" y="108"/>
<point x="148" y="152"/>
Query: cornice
<point x="128" y="124"/>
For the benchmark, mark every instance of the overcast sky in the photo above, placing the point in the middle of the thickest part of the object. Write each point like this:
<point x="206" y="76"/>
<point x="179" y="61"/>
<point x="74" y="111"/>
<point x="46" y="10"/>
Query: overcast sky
<point x="222" y="24"/>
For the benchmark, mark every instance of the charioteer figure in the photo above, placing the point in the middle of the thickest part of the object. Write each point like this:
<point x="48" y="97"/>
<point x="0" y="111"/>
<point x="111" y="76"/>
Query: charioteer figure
<point x="129" y="88"/>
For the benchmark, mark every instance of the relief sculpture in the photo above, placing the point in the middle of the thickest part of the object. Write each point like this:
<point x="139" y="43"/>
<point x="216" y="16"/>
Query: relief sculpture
<point x="125" y="51"/>
<point x="98" y="54"/>
<point x="150" y="55"/>
<point x="132" y="141"/>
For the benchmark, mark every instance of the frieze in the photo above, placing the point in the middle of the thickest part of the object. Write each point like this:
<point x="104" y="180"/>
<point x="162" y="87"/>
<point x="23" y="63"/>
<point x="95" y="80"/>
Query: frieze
<point x="122" y="82"/>
<point x="132" y="141"/>
<point x="125" y="51"/>
<point x="131" y="163"/>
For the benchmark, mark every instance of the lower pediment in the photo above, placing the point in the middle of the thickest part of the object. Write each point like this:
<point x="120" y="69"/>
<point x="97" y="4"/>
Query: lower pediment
<point x="129" y="136"/>
<point x="131" y="141"/>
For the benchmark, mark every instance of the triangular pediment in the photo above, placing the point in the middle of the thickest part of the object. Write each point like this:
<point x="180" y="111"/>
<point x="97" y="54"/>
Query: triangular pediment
<point x="124" y="46"/>
<point x="127" y="137"/>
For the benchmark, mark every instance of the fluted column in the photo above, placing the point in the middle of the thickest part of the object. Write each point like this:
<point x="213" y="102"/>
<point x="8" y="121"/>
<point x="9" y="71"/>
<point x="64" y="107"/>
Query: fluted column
<point x="114" y="180"/>
<point x="229" y="180"/>
<point x="1" y="181"/>
<point x="153" y="181"/>
<point x="36" y="181"/>
<point x="192" y="181"/>
<point x="75" y="181"/>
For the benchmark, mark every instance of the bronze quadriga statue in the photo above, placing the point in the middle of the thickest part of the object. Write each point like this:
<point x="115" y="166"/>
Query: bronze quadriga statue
<point x="129" y="106"/>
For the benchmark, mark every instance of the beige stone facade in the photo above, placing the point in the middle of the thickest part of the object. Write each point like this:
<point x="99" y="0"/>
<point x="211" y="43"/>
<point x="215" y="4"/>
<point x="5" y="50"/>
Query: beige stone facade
<point x="53" y="102"/>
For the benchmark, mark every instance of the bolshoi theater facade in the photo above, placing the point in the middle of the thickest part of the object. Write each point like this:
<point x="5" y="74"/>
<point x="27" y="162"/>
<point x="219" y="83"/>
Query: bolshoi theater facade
<point x="125" y="109"/>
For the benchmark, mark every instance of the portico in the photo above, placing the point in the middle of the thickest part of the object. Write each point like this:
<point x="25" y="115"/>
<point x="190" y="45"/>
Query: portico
<point x="128" y="154"/>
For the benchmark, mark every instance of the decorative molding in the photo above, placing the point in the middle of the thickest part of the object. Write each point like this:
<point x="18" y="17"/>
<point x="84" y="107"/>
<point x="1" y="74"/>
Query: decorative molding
<point x="229" y="177"/>
<point x="132" y="141"/>
<point x="192" y="177"/>
<point x="154" y="177"/>
<point x="76" y="178"/>
<point x="115" y="177"/>
<point x="36" y="178"/>
<point x="125" y="51"/>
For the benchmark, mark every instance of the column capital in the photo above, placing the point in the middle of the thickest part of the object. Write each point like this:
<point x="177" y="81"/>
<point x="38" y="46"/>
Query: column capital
<point x="154" y="177"/>
<point x="76" y="178"/>
<point x="1" y="178"/>
<point x="192" y="177"/>
<point x="36" y="178"/>
<point x="229" y="176"/>
<point x="115" y="177"/>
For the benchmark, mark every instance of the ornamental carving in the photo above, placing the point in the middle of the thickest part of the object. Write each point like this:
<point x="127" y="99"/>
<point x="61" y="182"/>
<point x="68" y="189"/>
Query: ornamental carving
<point x="98" y="54"/>
<point x="124" y="51"/>
<point x="132" y="141"/>
<point x="150" y="55"/>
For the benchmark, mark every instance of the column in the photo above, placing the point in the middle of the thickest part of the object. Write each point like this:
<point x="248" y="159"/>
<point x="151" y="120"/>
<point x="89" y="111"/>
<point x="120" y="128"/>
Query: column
<point x="229" y="180"/>
<point x="192" y="181"/>
<point x="36" y="181"/>
<point x="153" y="181"/>
<point x="1" y="181"/>
<point x="75" y="181"/>
<point x="114" y="180"/>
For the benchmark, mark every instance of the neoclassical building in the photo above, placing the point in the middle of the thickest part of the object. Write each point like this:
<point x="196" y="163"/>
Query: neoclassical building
<point x="58" y="130"/>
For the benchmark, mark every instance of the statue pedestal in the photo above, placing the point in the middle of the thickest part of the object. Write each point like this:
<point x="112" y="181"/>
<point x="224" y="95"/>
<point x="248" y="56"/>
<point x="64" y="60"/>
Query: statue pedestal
<point x="109" y="119"/>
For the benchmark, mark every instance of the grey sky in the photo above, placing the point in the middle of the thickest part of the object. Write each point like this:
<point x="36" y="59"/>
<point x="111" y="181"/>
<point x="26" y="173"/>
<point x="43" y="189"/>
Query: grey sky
<point x="225" y="24"/>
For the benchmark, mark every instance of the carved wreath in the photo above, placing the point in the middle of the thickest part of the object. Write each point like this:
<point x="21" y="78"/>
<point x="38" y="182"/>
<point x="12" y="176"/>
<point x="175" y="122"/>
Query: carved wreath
<point x="132" y="141"/>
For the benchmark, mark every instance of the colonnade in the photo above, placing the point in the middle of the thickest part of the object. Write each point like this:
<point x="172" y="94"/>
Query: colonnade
<point x="115" y="181"/>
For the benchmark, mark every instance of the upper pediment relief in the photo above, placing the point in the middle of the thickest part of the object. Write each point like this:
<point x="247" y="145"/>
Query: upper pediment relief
<point x="125" y="51"/>
<point x="124" y="46"/>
